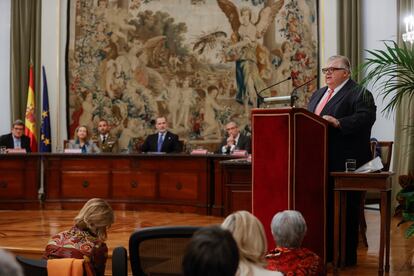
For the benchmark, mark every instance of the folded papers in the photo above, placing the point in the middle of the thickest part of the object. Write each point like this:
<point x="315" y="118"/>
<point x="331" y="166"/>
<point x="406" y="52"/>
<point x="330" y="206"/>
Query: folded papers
<point x="371" y="166"/>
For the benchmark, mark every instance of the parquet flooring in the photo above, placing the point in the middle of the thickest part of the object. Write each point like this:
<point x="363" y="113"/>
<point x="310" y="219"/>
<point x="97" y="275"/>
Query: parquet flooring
<point x="27" y="232"/>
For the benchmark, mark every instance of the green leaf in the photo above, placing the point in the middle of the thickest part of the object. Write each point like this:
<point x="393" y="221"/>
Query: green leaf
<point x="410" y="231"/>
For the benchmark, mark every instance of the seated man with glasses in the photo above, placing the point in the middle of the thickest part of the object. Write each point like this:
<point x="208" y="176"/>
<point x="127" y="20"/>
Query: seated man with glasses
<point x="350" y="112"/>
<point x="16" y="139"/>
<point x="235" y="140"/>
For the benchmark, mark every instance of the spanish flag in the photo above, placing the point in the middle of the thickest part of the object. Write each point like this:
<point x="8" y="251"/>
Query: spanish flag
<point x="30" y="118"/>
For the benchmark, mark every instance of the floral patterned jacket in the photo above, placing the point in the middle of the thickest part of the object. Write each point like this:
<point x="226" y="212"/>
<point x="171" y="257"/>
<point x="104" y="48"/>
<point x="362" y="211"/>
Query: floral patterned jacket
<point x="294" y="261"/>
<point x="79" y="244"/>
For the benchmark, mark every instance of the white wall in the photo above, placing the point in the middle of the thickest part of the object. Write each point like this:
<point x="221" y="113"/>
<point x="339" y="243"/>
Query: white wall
<point x="5" y="119"/>
<point x="327" y="30"/>
<point x="380" y="23"/>
<point x="54" y="14"/>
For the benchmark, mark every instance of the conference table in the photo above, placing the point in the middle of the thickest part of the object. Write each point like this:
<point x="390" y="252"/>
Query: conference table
<point x="350" y="181"/>
<point x="164" y="182"/>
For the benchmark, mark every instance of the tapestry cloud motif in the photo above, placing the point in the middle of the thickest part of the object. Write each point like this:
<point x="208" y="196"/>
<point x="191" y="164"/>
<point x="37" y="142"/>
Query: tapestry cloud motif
<point x="198" y="62"/>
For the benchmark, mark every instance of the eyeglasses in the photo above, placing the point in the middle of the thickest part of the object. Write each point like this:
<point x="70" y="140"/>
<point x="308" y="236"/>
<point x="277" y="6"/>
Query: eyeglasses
<point x="18" y="128"/>
<point x="230" y="128"/>
<point x="330" y="70"/>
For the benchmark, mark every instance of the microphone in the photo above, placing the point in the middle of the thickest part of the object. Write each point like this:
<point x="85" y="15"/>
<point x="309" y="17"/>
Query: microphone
<point x="270" y="86"/>
<point x="294" y="95"/>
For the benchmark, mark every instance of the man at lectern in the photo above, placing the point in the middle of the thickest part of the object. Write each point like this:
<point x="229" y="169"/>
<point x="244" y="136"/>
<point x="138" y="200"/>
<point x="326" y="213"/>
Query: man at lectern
<point x="163" y="140"/>
<point x="350" y="112"/>
<point x="235" y="140"/>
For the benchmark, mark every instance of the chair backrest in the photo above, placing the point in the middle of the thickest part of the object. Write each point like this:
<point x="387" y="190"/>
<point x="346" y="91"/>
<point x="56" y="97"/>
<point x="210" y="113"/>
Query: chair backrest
<point x="159" y="250"/>
<point x="384" y="149"/>
<point x="33" y="267"/>
<point x="119" y="261"/>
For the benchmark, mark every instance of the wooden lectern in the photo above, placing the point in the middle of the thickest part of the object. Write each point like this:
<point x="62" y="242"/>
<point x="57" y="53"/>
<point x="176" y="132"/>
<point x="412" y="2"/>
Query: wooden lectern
<point x="290" y="170"/>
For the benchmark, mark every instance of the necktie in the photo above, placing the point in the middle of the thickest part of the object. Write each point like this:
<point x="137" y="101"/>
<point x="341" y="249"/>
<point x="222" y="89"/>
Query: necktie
<point x="103" y="139"/>
<point x="325" y="101"/>
<point x="160" y="141"/>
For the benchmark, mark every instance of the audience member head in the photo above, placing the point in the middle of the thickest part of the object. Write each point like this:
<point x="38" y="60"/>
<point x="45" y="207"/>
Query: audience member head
<point x="337" y="70"/>
<point x="243" y="225"/>
<point x="212" y="251"/>
<point x="81" y="133"/>
<point x="288" y="229"/>
<point x="97" y="216"/>
<point x="232" y="129"/>
<point x="161" y="124"/>
<point x="18" y="128"/>
<point x="8" y="265"/>
<point x="103" y="127"/>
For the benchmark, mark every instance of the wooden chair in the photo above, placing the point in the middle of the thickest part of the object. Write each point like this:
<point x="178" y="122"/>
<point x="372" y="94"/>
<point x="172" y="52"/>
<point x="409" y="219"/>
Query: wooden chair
<point x="383" y="149"/>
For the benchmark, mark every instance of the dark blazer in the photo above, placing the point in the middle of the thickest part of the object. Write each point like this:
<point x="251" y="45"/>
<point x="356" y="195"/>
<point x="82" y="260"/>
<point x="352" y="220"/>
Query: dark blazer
<point x="244" y="143"/>
<point x="7" y="141"/>
<point x="356" y="113"/>
<point x="170" y="144"/>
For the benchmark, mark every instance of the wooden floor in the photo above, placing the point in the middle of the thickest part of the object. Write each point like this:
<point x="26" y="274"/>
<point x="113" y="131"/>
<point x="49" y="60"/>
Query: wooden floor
<point x="27" y="232"/>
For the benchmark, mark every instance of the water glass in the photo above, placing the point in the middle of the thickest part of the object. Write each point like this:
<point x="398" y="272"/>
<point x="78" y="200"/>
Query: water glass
<point x="350" y="165"/>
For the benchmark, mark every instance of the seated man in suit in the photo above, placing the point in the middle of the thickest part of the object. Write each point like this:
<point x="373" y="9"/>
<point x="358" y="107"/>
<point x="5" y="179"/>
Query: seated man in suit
<point x="105" y="141"/>
<point x="235" y="140"/>
<point x="16" y="139"/>
<point x="163" y="140"/>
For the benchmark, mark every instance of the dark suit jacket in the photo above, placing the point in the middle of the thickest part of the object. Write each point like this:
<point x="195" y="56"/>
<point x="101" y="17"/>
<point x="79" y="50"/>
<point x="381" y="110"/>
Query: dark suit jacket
<point x="170" y="144"/>
<point x="244" y="143"/>
<point x="7" y="141"/>
<point x="356" y="113"/>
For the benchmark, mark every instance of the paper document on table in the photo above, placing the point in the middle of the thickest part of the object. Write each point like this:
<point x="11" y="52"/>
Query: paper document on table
<point x="371" y="166"/>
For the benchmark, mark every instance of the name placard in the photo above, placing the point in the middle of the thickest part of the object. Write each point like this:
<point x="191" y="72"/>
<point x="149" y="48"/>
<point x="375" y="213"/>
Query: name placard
<point x="199" y="151"/>
<point x="73" y="151"/>
<point x="239" y="153"/>
<point x="16" y="150"/>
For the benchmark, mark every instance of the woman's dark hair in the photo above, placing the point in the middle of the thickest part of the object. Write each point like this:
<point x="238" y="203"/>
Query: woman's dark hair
<point x="212" y="251"/>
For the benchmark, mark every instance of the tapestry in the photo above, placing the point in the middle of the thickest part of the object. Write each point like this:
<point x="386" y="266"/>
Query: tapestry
<point x="199" y="63"/>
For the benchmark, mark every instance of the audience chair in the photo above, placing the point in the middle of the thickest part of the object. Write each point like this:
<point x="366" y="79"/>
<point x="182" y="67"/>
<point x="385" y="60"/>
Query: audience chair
<point x="119" y="261"/>
<point x="159" y="250"/>
<point x="384" y="149"/>
<point x="33" y="267"/>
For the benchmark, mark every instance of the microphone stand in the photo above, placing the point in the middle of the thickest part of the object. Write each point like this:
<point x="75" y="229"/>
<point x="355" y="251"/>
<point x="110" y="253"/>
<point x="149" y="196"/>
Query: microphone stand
<point x="259" y="93"/>
<point x="294" y="95"/>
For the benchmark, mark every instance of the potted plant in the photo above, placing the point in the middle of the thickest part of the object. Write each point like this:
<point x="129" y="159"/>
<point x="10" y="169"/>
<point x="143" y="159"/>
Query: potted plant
<point x="405" y="198"/>
<point x="391" y="71"/>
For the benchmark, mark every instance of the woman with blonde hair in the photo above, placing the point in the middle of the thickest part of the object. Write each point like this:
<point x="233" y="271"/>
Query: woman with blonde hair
<point x="250" y="237"/>
<point x="82" y="141"/>
<point x="86" y="239"/>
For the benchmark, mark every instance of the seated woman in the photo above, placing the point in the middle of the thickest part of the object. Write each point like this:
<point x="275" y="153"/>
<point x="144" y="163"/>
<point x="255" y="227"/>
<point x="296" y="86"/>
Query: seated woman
<point x="250" y="237"/>
<point x="86" y="239"/>
<point x="81" y="141"/>
<point x="288" y="230"/>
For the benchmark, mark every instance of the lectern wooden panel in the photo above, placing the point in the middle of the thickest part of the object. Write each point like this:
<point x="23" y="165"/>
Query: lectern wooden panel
<point x="289" y="169"/>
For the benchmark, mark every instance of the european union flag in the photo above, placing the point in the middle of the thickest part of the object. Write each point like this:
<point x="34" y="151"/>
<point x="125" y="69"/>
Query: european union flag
<point x="45" y="139"/>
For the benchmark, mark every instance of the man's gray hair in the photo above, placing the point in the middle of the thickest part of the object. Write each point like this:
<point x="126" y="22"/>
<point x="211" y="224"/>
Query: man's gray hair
<point x="344" y="61"/>
<point x="288" y="229"/>
<point x="9" y="265"/>
<point x="18" y="122"/>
